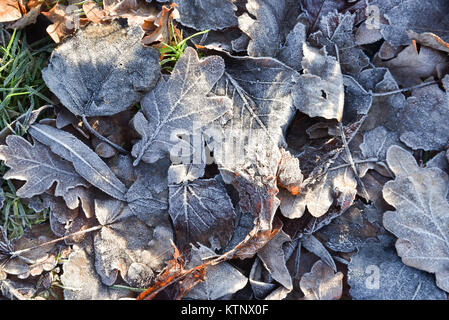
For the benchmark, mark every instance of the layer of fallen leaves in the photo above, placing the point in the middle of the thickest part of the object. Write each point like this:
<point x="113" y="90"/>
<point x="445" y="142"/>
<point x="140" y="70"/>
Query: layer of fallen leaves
<point x="299" y="152"/>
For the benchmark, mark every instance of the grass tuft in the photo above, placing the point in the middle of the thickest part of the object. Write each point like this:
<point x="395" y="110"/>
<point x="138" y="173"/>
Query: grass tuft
<point x="22" y="90"/>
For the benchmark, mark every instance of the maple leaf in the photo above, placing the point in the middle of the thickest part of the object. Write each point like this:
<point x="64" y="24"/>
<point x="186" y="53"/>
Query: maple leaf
<point x="102" y="70"/>
<point x="39" y="167"/>
<point x="322" y="283"/>
<point x="376" y="273"/>
<point x="174" y="106"/>
<point x="421" y="219"/>
<point x="86" y="162"/>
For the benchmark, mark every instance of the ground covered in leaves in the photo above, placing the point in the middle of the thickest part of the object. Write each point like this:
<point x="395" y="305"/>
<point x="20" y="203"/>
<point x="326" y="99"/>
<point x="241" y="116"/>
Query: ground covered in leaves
<point x="225" y="149"/>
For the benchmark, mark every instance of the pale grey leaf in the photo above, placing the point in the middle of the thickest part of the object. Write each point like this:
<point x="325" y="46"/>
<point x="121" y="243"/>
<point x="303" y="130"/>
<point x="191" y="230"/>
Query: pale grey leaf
<point x="267" y="23"/>
<point x="321" y="93"/>
<point x="207" y="14"/>
<point x="375" y="272"/>
<point x="357" y="100"/>
<point x="81" y="282"/>
<point x="201" y="212"/>
<point x="425" y="118"/>
<point x="322" y="283"/>
<point x="175" y="106"/>
<point x="39" y="167"/>
<point x="127" y="247"/>
<point x="102" y="70"/>
<point x="336" y="33"/>
<point x="272" y="256"/>
<point x="348" y="231"/>
<point x="180" y="173"/>
<point x="418" y="16"/>
<point x="221" y="279"/>
<point x="439" y="161"/>
<point x="421" y="219"/>
<point x="291" y="51"/>
<point x="86" y="162"/>
<point x="148" y="195"/>
<point x="313" y="245"/>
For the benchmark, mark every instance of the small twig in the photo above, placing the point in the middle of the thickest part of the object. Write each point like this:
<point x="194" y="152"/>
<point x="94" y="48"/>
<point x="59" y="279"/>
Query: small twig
<point x="104" y="139"/>
<point x="351" y="161"/>
<point x="383" y="94"/>
<point x="19" y="252"/>
<point x="355" y="162"/>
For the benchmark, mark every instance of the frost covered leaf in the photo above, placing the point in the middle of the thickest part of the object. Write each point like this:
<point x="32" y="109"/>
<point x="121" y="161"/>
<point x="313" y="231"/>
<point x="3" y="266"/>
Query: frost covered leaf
<point x="262" y="92"/>
<point x="127" y="246"/>
<point x="177" y="104"/>
<point x="376" y="273"/>
<point x="221" y="279"/>
<point x="418" y="16"/>
<point x="348" y="231"/>
<point x="148" y="195"/>
<point x="425" y="118"/>
<point x="180" y="279"/>
<point x="86" y="162"/>
<point x="267" y="24"/>
<point x="81" y="281"/>
<point x="336" y="31"/>
<point x="272" y="256"/>
<point x="39" y="167"/>
<point x="374" y="146"/>
<point x="322" y="283"/>
<point x="322" y="92"/>
<point x="291" y="52"/>
<point x="102" y="70"/>
<point x="410" y="66"/>
<point x="30" y="263"/>
<point x="201" y="211"/>
<point x="421" y="219"/>
<point x="207" y="14"/>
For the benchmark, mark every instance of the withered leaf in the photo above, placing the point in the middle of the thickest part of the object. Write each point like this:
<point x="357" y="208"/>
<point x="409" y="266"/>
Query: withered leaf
<point x="267" y="23"/>
<point x="127" y="246"/>
<point x="322" y="283"/>
<point x="39" y="167"/>
<point x="418" y="16"/>
<point x="350" y="230"/>
<point x="102" y="70"/>
<point x="421" y="219"/>
<point x="425" y="118"/>
<point x="336" y="33"/>
<point x="10" y="10"/>
<point x="207" y="14"/>
<point x="375" y="272"/>
<point x="321" y="93"/>
<point x="201" y="211"/>
<point x="221" y="279"/>
<point x="175" y="106"/>
<point x="86" y="162"/>
<point x="81" y="281"/>
<point x="272" y="256"/>
<point x="410" y="66"/>
<point x="148" y="195"/>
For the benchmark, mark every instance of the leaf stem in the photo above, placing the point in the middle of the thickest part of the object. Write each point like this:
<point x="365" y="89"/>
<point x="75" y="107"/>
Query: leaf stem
<point x="104" y="139"/>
